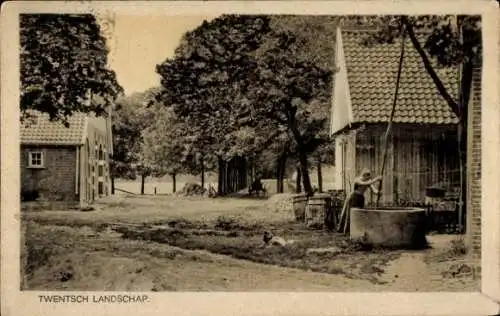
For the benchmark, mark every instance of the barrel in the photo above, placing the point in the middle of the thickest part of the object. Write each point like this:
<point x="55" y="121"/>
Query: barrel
<point x="317" y="211"/>
<point x="299" y="206"/>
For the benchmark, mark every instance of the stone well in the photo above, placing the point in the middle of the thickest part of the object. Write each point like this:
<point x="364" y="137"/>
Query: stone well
<point x="389" y="227"/>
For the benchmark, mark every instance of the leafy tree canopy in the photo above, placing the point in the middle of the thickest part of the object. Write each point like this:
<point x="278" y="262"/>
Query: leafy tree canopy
<point x="63" y="63"/>
<point x="203" y="81"/>
<point x="129" y="118"/>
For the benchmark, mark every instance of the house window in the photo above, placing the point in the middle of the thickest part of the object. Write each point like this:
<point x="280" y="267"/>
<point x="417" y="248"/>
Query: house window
<point x="100" y="188"/>
<point x="100" y="170"/>
<point x="101" y="153"/>
<point x="35" y="159"/>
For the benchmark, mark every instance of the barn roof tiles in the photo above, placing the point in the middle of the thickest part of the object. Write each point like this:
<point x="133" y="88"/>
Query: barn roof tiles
<point x="39" y="130"/>
<point x="372" y="72"/>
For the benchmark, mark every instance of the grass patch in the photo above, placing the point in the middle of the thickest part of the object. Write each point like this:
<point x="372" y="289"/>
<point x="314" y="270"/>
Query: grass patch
<point x="230" y="223"/>
<point x="58" y="249"/>
<point x="457" y="249"/>
<point x="350" y="260"/>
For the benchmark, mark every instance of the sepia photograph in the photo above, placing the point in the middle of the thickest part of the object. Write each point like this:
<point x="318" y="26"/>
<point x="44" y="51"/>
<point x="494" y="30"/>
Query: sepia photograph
<point x="249" y="152"/>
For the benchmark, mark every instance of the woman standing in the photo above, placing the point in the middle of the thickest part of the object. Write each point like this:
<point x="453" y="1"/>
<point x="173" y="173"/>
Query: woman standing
<point x="357" y="197"/>
<point x="361" y="184"/>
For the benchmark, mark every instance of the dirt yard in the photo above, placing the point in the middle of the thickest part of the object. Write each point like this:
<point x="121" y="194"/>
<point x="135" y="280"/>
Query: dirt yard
<point x="173" y="243"/>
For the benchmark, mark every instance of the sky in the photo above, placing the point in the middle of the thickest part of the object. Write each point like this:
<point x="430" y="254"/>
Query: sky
<point x="139" y="43"/>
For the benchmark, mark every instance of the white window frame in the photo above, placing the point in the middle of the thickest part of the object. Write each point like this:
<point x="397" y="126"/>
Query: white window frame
<point x="30" y="159"/>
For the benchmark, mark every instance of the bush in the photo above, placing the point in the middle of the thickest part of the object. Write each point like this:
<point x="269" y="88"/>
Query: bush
<point x="190" y="189"/>
<point x="226" y="223"/>
<point x="458" y="247"/>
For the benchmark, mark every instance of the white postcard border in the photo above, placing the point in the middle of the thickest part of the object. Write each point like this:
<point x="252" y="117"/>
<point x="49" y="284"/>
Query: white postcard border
<point x="15" y="302"/>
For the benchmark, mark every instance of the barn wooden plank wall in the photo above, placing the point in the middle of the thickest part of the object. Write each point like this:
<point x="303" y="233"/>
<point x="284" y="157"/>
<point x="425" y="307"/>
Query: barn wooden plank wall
<point x="348" y="160"/>
<point x="418" y="157"/>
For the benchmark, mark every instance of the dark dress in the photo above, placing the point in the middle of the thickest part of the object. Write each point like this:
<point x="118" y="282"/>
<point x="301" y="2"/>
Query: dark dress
<point x="357" y="199"/>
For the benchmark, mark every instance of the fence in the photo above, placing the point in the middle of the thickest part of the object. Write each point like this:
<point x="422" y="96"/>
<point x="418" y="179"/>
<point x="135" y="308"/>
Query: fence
<point x="442" y="217"/>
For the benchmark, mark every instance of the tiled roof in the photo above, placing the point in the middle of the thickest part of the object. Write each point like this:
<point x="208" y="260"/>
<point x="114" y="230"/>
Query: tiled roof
<point x="372" y="73"/>
<point x="41" y="131"/>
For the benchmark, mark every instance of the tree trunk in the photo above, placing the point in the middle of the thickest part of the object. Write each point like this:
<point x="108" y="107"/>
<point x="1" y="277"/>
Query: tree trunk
<point x="320" y="177"/>
<point x="252" y="175"/>
<point x="283" y="171"/>
<point x="304" y="166"/>
<point x="460" y="108"/>
<point x="280" y="172"/>
<point x="242" y="180"/>
<point x="143" y="181"/>
<point x="202" y="172"/>
<point x="429" y="68"/>
<point x="298" y="181"/>
<point x="112" y="185"/>
<point x="278" y="175"/>
<point x="174" y="183"/>
<point x="227" y="182"/>
<point x="220" y="180"/>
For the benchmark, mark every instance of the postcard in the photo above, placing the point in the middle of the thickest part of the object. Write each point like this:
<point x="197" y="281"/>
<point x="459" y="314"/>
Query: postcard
<point x="250" y="157"/>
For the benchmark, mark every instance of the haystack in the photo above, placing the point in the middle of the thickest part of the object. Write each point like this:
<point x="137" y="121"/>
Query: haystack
<point x="191" y="189"/>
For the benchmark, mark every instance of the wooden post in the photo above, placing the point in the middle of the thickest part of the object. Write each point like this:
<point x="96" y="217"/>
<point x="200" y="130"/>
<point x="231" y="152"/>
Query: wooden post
<point x="202" y="164"/>
<point x="220" y="179"/>
<point x="143" y="180"/>
<point x="174" y="183"/>
<point x="389" y="125"/>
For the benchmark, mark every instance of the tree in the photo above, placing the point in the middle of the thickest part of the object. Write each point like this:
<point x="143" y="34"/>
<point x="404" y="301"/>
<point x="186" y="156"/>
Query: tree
<point x="164" y="148"/>
<point x="317" y="49"/>
<point x="129" y="118"/>
<point x="449" y="41"/>
<point x="202" y="83"/>
<point x="290" y="90"/>
<point x="324" y="154"/>
<point x="63" y="64"/>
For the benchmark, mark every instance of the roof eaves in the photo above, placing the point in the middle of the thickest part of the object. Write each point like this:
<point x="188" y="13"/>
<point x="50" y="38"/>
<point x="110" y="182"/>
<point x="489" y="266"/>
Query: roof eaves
<point x="36" y="143"/>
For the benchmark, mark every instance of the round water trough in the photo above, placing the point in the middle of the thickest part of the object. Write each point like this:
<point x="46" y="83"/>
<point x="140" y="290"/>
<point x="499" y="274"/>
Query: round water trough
<point x="389" y="227"/>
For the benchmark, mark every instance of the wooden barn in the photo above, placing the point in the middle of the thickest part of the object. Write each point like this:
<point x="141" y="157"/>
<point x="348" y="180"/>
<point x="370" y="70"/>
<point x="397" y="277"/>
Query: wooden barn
<point x="65" y="165"/>
<point x="422" y="150"/>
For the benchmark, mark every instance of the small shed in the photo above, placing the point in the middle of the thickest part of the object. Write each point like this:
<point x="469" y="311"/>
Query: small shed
<point x="423" y="148"/>
<point x="69" y="165"/>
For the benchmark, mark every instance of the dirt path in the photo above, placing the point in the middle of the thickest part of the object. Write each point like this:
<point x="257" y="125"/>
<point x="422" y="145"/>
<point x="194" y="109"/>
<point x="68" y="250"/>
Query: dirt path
<point x="410" y="272"/>
<point x="405" y="273"/>
<point x="115" y="264"/>
<point x="69" y="251"/>
<point x="103" y="261"/>
<point x="186" y="270"/>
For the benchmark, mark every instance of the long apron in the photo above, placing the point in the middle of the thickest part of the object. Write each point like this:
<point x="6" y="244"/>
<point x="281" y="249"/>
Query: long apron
<point x="357" y="200"/>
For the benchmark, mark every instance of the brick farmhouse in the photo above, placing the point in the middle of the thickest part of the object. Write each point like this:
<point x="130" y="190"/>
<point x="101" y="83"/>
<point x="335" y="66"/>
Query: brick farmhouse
<point x="423" y="147"/>
<point x="65" y="165"/>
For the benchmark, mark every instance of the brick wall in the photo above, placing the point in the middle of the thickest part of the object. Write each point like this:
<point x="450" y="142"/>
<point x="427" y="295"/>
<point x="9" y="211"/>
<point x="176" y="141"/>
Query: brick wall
<point x="54" y="182"/>
<point x="474" y="168"/>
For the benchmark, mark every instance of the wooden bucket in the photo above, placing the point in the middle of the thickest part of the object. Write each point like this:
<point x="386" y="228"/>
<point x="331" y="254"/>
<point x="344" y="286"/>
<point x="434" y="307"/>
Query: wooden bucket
<point x="299" y="207"/>
<point x="317" y="211"/>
